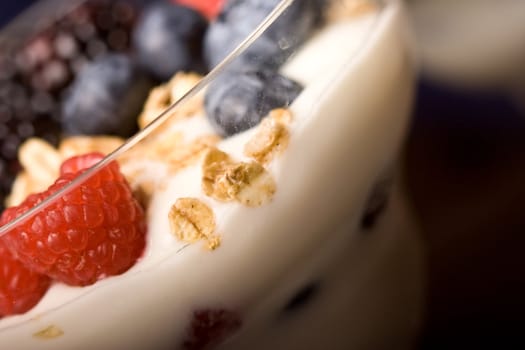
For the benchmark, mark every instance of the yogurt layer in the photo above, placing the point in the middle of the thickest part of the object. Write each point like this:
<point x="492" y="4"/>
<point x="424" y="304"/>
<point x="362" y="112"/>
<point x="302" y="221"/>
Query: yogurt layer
<point x="346" y="129"/>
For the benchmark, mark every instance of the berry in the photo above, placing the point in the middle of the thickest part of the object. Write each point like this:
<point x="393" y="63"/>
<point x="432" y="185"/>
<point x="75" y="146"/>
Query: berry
<point x="79" y="163"/>
<point x="239" y="18"/>
<point x="35" y="71"/>
<point x="94" y="231"/>
<point x="20" y="288"/>
<point x="238" y="100"/>
<point x="211" y="327"/>
<point x="168" y="38"/>
<point x="105" y="98"/>
<point x="209" y="8"/>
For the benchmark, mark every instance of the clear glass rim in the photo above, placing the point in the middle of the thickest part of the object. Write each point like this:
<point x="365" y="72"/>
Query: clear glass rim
<point x="159" y="120"/>
<point x="161" y="117"/>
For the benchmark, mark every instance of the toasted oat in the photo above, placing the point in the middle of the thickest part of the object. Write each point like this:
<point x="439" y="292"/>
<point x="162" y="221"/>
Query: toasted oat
<point x="75" y="145"/>
<point x="213" y="243"/>
<point x="155" y="148"/>
<point x="41" y="163"/>
<point x="41" y="160"/>
<point x="180" y="84"/>
<point x="158" y="100"/>
<point x="164" y="95"/>
<point x="189" y="154"/>
<point x="281" y="115"/>
<point x="271" y="139"/>
<point x="172" y="149"/>
<point x="191" y="220"/>
<point x="226" y="180"/>
<point x="344" y="9"/>
<point x="49" y="332"/>
<point x="22" y="187"/>
<point x="256" y="186"/>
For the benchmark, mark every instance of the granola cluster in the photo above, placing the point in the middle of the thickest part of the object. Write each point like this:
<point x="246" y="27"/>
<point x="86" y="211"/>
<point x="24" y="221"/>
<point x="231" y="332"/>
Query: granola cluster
<point x="191" y="220"/>
<point x="224" y="179"/>
<point x="41" y="161"/>
<point x="271" y="138"/>
<point x="163" y="96"/>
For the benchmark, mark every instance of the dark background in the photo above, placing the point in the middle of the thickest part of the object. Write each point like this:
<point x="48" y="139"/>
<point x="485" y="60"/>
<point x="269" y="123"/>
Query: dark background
<point x="465" y="166"/>
<point x="9" y="9"/>
<point x="466" y="174"/>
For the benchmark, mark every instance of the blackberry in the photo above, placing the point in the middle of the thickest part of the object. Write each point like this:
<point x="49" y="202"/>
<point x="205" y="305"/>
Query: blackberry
<point x="36" y="70"/>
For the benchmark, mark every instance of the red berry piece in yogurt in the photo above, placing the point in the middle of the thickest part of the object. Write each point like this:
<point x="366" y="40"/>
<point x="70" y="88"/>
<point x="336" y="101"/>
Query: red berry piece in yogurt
<point x="20" y="288"/>
<point x="94" y="231"/>
<point x="211" y="327"/>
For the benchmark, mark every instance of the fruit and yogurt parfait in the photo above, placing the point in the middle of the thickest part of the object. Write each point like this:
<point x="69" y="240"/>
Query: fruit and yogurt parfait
<point x="261" y="209"/>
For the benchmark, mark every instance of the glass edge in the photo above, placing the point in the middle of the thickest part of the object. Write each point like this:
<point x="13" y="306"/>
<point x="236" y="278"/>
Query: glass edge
<point x="142" y="134"/>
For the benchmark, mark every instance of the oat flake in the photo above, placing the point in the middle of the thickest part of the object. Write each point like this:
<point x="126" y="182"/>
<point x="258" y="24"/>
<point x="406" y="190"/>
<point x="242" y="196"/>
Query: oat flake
<point x="191" y="220"/>
<point x="226" y="180"/>
<point x="49" y="332"/>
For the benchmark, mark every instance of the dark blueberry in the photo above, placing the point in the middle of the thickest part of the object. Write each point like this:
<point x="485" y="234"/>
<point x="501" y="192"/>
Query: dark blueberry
<point x="240" y="17"/>
<point x="168" y="38"/>
<point x="376" y="204"/>
<point x="105" y="98"/>
<point x="238" y="100"/>
<point x="302" y="297"/>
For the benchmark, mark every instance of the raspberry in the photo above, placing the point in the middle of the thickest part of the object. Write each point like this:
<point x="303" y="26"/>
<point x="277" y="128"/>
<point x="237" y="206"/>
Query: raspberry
<point x="211" y="327"/>
<point x="209" y="8"/>
<point x="79" y="163"/>
<point x="20" y="288"/>
<point x="94" y="231"/>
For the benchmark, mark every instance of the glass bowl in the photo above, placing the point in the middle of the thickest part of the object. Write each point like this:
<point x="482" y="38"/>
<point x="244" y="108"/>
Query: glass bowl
<point x="286" y="228"/>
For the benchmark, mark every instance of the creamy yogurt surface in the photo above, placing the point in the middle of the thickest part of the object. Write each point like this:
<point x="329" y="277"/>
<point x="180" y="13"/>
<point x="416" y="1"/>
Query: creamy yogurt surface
<point x="345" y="130"/>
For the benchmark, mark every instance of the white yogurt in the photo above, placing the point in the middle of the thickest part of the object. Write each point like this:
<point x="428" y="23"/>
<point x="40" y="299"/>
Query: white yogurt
<point x="348" y="125"/>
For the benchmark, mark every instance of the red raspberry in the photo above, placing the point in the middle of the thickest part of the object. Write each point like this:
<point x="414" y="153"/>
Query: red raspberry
<point x="75" y="164"/>
<point x="209" y="328"/>
<point x="94" y="231"/>
<point x="209" y="8"/>
<point x="20" y="288"/>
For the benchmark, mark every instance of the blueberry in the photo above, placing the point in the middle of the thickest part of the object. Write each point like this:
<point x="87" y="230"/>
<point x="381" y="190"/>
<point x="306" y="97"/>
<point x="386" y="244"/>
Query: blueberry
<point x="302" y="297"/>
<point x="238" y="100"/>
<point x="240" y="17"/>
<point x="168" y="38"/>
<point x="105" y="98"/>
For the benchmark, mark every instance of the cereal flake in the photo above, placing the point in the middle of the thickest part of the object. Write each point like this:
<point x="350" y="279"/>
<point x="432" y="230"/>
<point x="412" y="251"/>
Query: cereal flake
<point x="49" y="332"/>
<point x="226" y="180"/>
<point x="75" y="145"/>
<point x="161" y="97"/>
<point x="191" y="220"/>
<point x="271" y="138"/>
